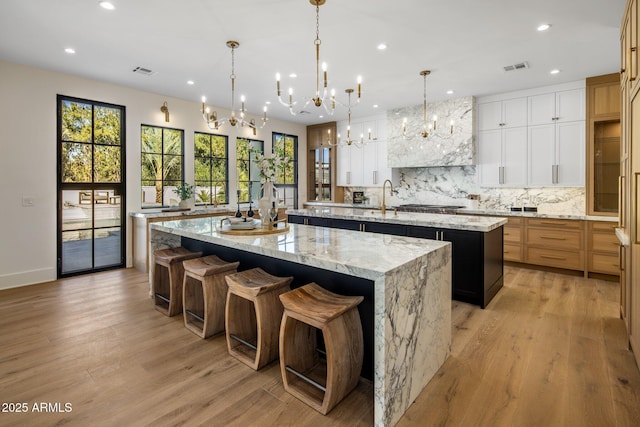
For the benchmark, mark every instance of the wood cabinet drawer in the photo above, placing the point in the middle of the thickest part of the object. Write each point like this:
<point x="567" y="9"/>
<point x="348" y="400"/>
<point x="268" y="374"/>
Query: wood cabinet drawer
<point x="603" y="242"/>
<point x="512" y="252"/>
<point x="602" y="226"/>
<point x="601" y="263"/>
<point x="557" y="223"/>
<point x="514" y="221"/>
<point x="555" y="239"/>
<point x="512" y="234"/>
<point x="555" y="258"/>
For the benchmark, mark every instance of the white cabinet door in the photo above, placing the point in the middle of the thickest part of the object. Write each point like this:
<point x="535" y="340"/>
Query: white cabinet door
<point x="490" y="115"/>
<point x="570" y="154"/>
<point x="490" y="158"/>
<point x="514" y="157"/>
<point x="514" y="112"/>
<point x="557" y="154"/>
<point x="343" y="170"/>
<point x="542" y="109"/>
<point x="357" y="165"/>
<point x="563" y="106"/>
<point x="502" y="114"/>
<point x="541" y="155"/>
<point x="370" y="163"/>
<point x="570" y="105"/>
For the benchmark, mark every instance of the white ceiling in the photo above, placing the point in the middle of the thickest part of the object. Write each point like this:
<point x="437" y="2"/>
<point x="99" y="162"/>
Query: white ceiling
<point x="464" y="42"/>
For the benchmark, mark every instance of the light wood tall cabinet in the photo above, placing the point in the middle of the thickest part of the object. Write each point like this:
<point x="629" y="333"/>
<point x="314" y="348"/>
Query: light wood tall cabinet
<point x="603" y="144"/>
<point x="322" y="163"/>
<point x="629" y="231"/>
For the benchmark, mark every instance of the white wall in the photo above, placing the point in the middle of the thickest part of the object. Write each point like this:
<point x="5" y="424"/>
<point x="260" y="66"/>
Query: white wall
<point x="28" y="158"/>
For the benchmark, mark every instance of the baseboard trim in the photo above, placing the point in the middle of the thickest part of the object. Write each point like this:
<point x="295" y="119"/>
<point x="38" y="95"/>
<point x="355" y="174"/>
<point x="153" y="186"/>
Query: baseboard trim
<point x="26" y="278"/>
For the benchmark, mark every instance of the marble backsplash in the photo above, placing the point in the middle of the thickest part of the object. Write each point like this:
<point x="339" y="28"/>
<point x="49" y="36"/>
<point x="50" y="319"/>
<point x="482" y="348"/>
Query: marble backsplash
<point x="452" y="185"/>
<point x="443" y="147"/>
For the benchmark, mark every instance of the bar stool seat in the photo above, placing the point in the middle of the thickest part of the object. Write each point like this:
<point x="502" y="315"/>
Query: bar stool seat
<point x="167" y="279"/>
<point x="253" y="315"/>
<point x="319" y="383"/>
<point x="205" y="293"/>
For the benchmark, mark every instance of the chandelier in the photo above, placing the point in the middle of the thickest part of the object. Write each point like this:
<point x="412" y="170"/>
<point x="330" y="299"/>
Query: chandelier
<point x="427" y="127"/>
<point x="213" y="122"/>
<point x="320" y="99"/>
<point x="349" y="141"/>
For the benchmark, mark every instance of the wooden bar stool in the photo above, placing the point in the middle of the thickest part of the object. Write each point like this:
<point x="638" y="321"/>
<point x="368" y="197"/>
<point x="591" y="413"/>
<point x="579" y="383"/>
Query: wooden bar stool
<point x="167" y="278"/>
<point x="204" y="294"/>
<point x="321" y="384"/>
<point x="253" y="315"/>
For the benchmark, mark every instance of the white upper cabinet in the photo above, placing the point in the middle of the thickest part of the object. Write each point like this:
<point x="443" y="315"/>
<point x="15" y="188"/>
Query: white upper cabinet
<point x="502" y="157"/>
<point x="508" y="113"/>
<point x="363" y="165"/>
<point x="557" y="155"/>
<point x="557" y="107"/>
<point x="538" y="144"/>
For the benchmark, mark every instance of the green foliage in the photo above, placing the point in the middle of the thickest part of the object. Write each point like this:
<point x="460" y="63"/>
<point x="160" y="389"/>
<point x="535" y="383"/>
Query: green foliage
<point x="78" y="148"/>
<point x="184" y="191"/>
<point x="161" y="157"/>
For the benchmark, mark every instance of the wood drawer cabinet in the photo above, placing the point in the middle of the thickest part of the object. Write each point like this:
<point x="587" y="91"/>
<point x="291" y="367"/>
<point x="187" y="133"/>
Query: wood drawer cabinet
<point x="555" y="243"/>
<point x="513" y="239"/>
<point x="602" y="248"/>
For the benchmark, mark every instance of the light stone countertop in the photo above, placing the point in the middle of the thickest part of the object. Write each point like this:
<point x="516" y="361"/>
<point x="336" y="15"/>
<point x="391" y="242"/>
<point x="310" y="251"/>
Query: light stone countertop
<point x="522" y="214"/>
<point x="453" y="222"/>
<point x="365" y="255"/>
<point x="194" y="211"/>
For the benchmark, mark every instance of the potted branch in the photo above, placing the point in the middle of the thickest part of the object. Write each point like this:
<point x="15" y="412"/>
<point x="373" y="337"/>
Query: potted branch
<point x="185" y="192"/>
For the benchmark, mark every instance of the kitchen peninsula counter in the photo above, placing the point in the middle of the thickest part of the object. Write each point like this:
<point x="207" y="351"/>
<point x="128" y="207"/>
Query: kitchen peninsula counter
<point x="406" y="283"/>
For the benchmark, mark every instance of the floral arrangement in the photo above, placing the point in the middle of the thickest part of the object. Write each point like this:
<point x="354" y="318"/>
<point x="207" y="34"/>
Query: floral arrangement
<point x="270" y="165"/>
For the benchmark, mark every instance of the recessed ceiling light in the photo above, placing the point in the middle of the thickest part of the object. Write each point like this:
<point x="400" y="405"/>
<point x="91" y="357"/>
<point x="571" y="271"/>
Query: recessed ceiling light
<point x="190" y="82"/>
<point x="70" y="50"/>
<point x="107" y="5"/>
<point x="293" y="75"/>
<point x="544" y="27"/>
<point x="321" y="116"/>
<point x="268" y="102"/>
<point x="382" y="46"/>
<point x="449" y="92"/>
<point x="375" y="105"/>
<point x="555" y="71"/>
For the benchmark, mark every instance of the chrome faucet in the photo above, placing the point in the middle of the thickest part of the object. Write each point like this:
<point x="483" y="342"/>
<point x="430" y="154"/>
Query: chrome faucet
<point x="383" y="207"/>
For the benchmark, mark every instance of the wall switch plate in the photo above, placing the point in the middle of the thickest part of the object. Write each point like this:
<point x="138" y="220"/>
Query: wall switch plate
<point x="28" y="202"/>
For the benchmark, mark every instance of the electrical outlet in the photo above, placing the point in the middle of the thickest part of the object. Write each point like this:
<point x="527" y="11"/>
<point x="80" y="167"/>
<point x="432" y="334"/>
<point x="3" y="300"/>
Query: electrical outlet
<point x="28" y="202"/>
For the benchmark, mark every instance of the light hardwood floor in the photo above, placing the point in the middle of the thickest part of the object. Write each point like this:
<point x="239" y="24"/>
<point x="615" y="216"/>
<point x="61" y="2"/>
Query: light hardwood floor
<point x="550" y="350"/>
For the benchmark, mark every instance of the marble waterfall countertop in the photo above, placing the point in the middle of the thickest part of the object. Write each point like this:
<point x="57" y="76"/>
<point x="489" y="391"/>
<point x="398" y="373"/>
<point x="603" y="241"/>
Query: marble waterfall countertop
<point x="411" y="280"/>
<point x="454" y="222"/>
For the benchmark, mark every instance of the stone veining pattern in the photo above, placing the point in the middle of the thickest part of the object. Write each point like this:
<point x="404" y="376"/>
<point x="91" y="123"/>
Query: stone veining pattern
<point x="441" y="148"/>
<point x="412" y="280"/>
<point x="453" y="222"/>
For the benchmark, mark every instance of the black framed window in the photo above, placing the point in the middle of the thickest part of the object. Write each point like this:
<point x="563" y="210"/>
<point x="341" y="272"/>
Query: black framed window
<point x="248" y="174"/>
<point x="211" y="164"/>
<point x="286" y="147"/>
<point x="162" y="162"/>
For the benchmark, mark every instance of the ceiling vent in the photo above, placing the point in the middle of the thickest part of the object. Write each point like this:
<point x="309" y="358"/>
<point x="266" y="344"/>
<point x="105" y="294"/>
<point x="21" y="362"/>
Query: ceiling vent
<point x="143" y="71"/>
<point x="514" y="67"/>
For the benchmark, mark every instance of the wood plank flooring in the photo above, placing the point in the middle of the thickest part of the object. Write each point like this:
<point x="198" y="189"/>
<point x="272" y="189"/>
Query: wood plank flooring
<point x="550" y="350"/>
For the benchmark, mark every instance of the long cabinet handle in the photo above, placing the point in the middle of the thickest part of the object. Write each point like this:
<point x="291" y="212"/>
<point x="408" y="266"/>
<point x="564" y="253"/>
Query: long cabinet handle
<point x="553" y="257"/>
<point x="631" y="70"/>
<point x="348" y="177"/>
<point x="554" y="174"/>
<point x="621" y="258"/>
<point x="501" y="174"/>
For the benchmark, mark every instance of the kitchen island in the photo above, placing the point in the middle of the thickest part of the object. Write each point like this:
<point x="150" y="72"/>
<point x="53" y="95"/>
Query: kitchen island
<point x="406" y="282"/>
<point x="477" y="252"/>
